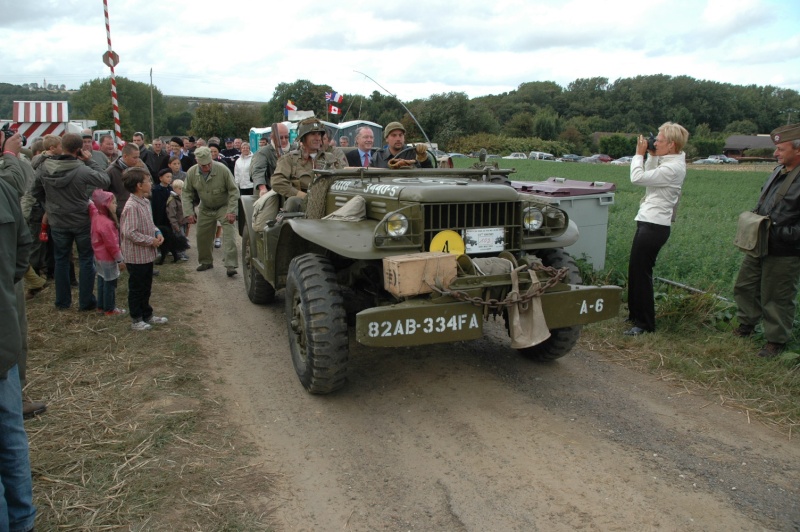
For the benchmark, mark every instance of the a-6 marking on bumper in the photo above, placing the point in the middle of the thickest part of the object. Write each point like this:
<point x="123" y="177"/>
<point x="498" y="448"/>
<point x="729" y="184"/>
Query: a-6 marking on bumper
<point x="421" y="321"/>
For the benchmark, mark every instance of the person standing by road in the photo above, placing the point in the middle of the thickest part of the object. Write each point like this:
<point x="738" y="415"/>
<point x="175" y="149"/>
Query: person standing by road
<point x="140" y="240"/>
<point x="241" y="171"/>
<point x="17" y="511"/>
<point x="663" y="174"/>
<point x="62" y="185"/>
<point x="766" y="287"/>
<point x="219" y="202"/>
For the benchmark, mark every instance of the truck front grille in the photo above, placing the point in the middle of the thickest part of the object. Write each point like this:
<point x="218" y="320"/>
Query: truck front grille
<point x="460" y="216"/>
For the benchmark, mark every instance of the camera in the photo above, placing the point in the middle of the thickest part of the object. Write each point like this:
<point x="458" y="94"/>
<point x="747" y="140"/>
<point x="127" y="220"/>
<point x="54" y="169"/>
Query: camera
<point x="651" y="143"/>
<point x="8" y="132"/>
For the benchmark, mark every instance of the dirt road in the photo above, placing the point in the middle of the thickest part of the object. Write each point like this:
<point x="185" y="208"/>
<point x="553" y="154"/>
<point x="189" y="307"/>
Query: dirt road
<point x="472" y="437"/>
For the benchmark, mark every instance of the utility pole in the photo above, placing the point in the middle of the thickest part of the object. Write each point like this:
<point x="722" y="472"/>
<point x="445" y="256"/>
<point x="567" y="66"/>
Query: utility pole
<point x="152" y="119"/>
<point x="789" y="115"/>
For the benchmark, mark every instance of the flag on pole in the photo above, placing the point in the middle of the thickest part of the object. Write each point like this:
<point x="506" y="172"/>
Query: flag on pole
<point x="332" y="109"/>
<point x="334" y="97"/>
<point x="290" y="106"/>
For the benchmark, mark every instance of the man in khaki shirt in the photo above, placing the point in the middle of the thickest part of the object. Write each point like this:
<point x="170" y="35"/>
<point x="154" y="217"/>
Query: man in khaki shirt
<point x="219" y="202"/>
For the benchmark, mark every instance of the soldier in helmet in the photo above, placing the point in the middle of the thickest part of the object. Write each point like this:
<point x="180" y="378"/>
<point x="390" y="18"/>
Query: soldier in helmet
<point x="397" y="151"/>
<point x="295" y="170"/>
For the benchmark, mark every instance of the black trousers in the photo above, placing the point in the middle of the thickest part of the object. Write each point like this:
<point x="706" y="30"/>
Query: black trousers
<point x="140" y="283"/>
<point x="647" y="242"/>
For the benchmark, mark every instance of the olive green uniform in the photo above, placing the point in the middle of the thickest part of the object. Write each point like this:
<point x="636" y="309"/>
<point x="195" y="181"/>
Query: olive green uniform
<point x="294" y="174"/>
<point x="219" y="196"/>
<point x="262" y="167"/>
<point x="766" y="287"/>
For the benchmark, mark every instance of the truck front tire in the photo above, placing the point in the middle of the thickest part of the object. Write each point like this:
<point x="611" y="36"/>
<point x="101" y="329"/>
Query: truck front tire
<point x="317" y="324"/>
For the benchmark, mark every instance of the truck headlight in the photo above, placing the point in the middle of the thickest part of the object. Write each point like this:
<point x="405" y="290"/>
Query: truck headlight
<point x="532" y="218"/>
<point x="396" y="225"/>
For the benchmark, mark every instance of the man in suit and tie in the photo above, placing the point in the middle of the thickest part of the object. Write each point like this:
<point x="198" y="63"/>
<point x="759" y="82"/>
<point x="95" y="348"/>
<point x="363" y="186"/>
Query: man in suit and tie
<point x="362" y="156"/>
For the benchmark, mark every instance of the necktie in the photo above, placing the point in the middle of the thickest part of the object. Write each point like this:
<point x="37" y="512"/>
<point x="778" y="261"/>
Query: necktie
<point x="366" y="160"/>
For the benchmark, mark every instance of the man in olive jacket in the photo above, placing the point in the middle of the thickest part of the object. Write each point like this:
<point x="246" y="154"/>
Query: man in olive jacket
<point x="766" y="287"/>
<point x="219" y="202"/>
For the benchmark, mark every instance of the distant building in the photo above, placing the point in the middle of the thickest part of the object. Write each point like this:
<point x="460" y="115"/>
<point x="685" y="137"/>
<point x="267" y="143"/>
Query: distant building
<point x="735" y="145"/>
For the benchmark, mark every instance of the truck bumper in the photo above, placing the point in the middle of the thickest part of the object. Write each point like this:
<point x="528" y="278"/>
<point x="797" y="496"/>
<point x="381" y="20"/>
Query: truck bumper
<point x="423" y="320"/>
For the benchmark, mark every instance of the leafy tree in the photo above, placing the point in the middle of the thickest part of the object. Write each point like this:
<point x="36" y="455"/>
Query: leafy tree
<point x="741" y="127"/>
<point x="306" y="96"/>
<point x="179" y="124"/>
<point x="618" y="145"/>
<point x="134" y="104"/>
<point x="545" y="125"/>
<point x="211" y="119"/>
<point x="520" y="125"/>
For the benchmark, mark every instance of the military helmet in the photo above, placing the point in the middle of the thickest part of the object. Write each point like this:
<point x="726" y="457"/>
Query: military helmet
<point x="309" y="125"/>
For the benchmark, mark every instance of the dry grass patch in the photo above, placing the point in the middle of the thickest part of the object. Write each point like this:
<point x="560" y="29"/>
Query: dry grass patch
<point x="133" y="439"/>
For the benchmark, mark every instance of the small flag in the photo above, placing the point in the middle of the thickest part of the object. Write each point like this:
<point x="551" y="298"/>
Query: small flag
<point x="332" y="109"/>
<point x="290" y="106"/>
<point x="334" y="97"/>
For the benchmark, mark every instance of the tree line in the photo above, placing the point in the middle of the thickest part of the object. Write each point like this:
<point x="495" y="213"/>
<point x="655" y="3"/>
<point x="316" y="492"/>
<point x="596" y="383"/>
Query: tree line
<point x="539" y="114"/>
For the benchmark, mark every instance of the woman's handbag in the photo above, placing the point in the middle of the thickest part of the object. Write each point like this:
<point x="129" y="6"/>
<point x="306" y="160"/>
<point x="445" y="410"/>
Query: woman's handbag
<point x="752" y="234"/>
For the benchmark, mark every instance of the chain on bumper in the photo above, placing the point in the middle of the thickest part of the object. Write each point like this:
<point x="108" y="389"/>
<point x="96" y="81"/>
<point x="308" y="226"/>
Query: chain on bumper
<point x="512" y="298"/>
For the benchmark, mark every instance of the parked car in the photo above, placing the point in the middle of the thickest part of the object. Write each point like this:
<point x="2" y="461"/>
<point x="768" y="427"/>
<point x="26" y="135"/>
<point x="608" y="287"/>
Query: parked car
<point x="707" y="161"/>
<point x="457" y="155"/>
<point x="596" y="158"/>
<point x="623" y="160"/>
<point x="493" y="156"/>
<point x="516" y="155"/>
<point x="570" y="157"/>
<point x="541" y="156"/>
<point x="725" y="159"/>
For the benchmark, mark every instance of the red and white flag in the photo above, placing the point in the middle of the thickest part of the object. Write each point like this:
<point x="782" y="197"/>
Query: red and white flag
<point x="332" y="109"/>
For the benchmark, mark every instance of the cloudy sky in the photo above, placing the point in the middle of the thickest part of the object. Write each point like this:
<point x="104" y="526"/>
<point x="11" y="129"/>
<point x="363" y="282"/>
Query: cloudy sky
<point x="242" y="49"/>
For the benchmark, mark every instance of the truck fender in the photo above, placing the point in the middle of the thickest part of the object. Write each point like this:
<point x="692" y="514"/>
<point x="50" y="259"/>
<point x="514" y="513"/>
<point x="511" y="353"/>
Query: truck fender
<point x="568" y="237"/>
<point x="246" y="203"/>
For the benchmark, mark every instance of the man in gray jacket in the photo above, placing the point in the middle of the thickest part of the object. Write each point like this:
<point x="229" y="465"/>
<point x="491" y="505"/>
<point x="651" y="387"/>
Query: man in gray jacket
<point x="62" y="184"/>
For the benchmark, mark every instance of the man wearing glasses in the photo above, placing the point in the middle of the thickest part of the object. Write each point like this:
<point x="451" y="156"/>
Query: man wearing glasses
<point x="266" y="159"/>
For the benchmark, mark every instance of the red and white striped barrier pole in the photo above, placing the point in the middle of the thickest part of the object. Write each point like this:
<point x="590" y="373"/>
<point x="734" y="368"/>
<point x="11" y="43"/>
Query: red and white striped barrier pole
<point x="111" y="61"/>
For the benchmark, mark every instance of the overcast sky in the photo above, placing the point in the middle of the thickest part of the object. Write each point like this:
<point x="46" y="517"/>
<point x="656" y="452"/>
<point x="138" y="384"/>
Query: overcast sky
<point x="242" y="49"/>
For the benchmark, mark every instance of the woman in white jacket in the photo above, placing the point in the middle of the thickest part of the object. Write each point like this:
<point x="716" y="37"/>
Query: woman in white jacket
<point x="662" y="173"/>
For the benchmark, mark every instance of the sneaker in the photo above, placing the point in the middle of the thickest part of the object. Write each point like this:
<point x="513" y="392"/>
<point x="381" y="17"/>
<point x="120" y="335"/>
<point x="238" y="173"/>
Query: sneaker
<point x="771" y="350"/>
<point x="231" y="272"/>
<point x="32" y="408"/>
<point x="182" y="257"/>
<point x="217" y="242"/>
<point x="116" y="312"/>
<point x="157" y="320"/>
<point x="140" y="326"/>
<point x="635" y="331"/>
<point x="204" y="267"/>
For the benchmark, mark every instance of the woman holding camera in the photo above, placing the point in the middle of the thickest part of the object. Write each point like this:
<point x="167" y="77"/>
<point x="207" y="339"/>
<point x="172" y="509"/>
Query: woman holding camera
<point x="662" y="174"/>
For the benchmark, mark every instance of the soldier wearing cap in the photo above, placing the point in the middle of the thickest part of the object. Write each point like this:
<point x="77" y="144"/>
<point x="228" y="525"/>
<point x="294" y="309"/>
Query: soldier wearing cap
<point x="766" y="287"/>
<point x="395" y="136"/>
<point x="295" y="170"/>
<point x="219" y="202"/>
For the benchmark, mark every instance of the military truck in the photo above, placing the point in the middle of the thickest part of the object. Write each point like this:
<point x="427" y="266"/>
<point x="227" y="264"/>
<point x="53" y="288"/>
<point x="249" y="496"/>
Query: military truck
<point x="428" y="256"/>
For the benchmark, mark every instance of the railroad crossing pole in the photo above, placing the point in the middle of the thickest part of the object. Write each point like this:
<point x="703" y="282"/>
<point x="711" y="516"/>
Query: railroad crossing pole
<point x="111" y="59"/>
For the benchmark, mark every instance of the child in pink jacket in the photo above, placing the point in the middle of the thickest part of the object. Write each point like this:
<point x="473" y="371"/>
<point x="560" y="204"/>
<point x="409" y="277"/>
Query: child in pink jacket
<point x="108" y="258"/>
